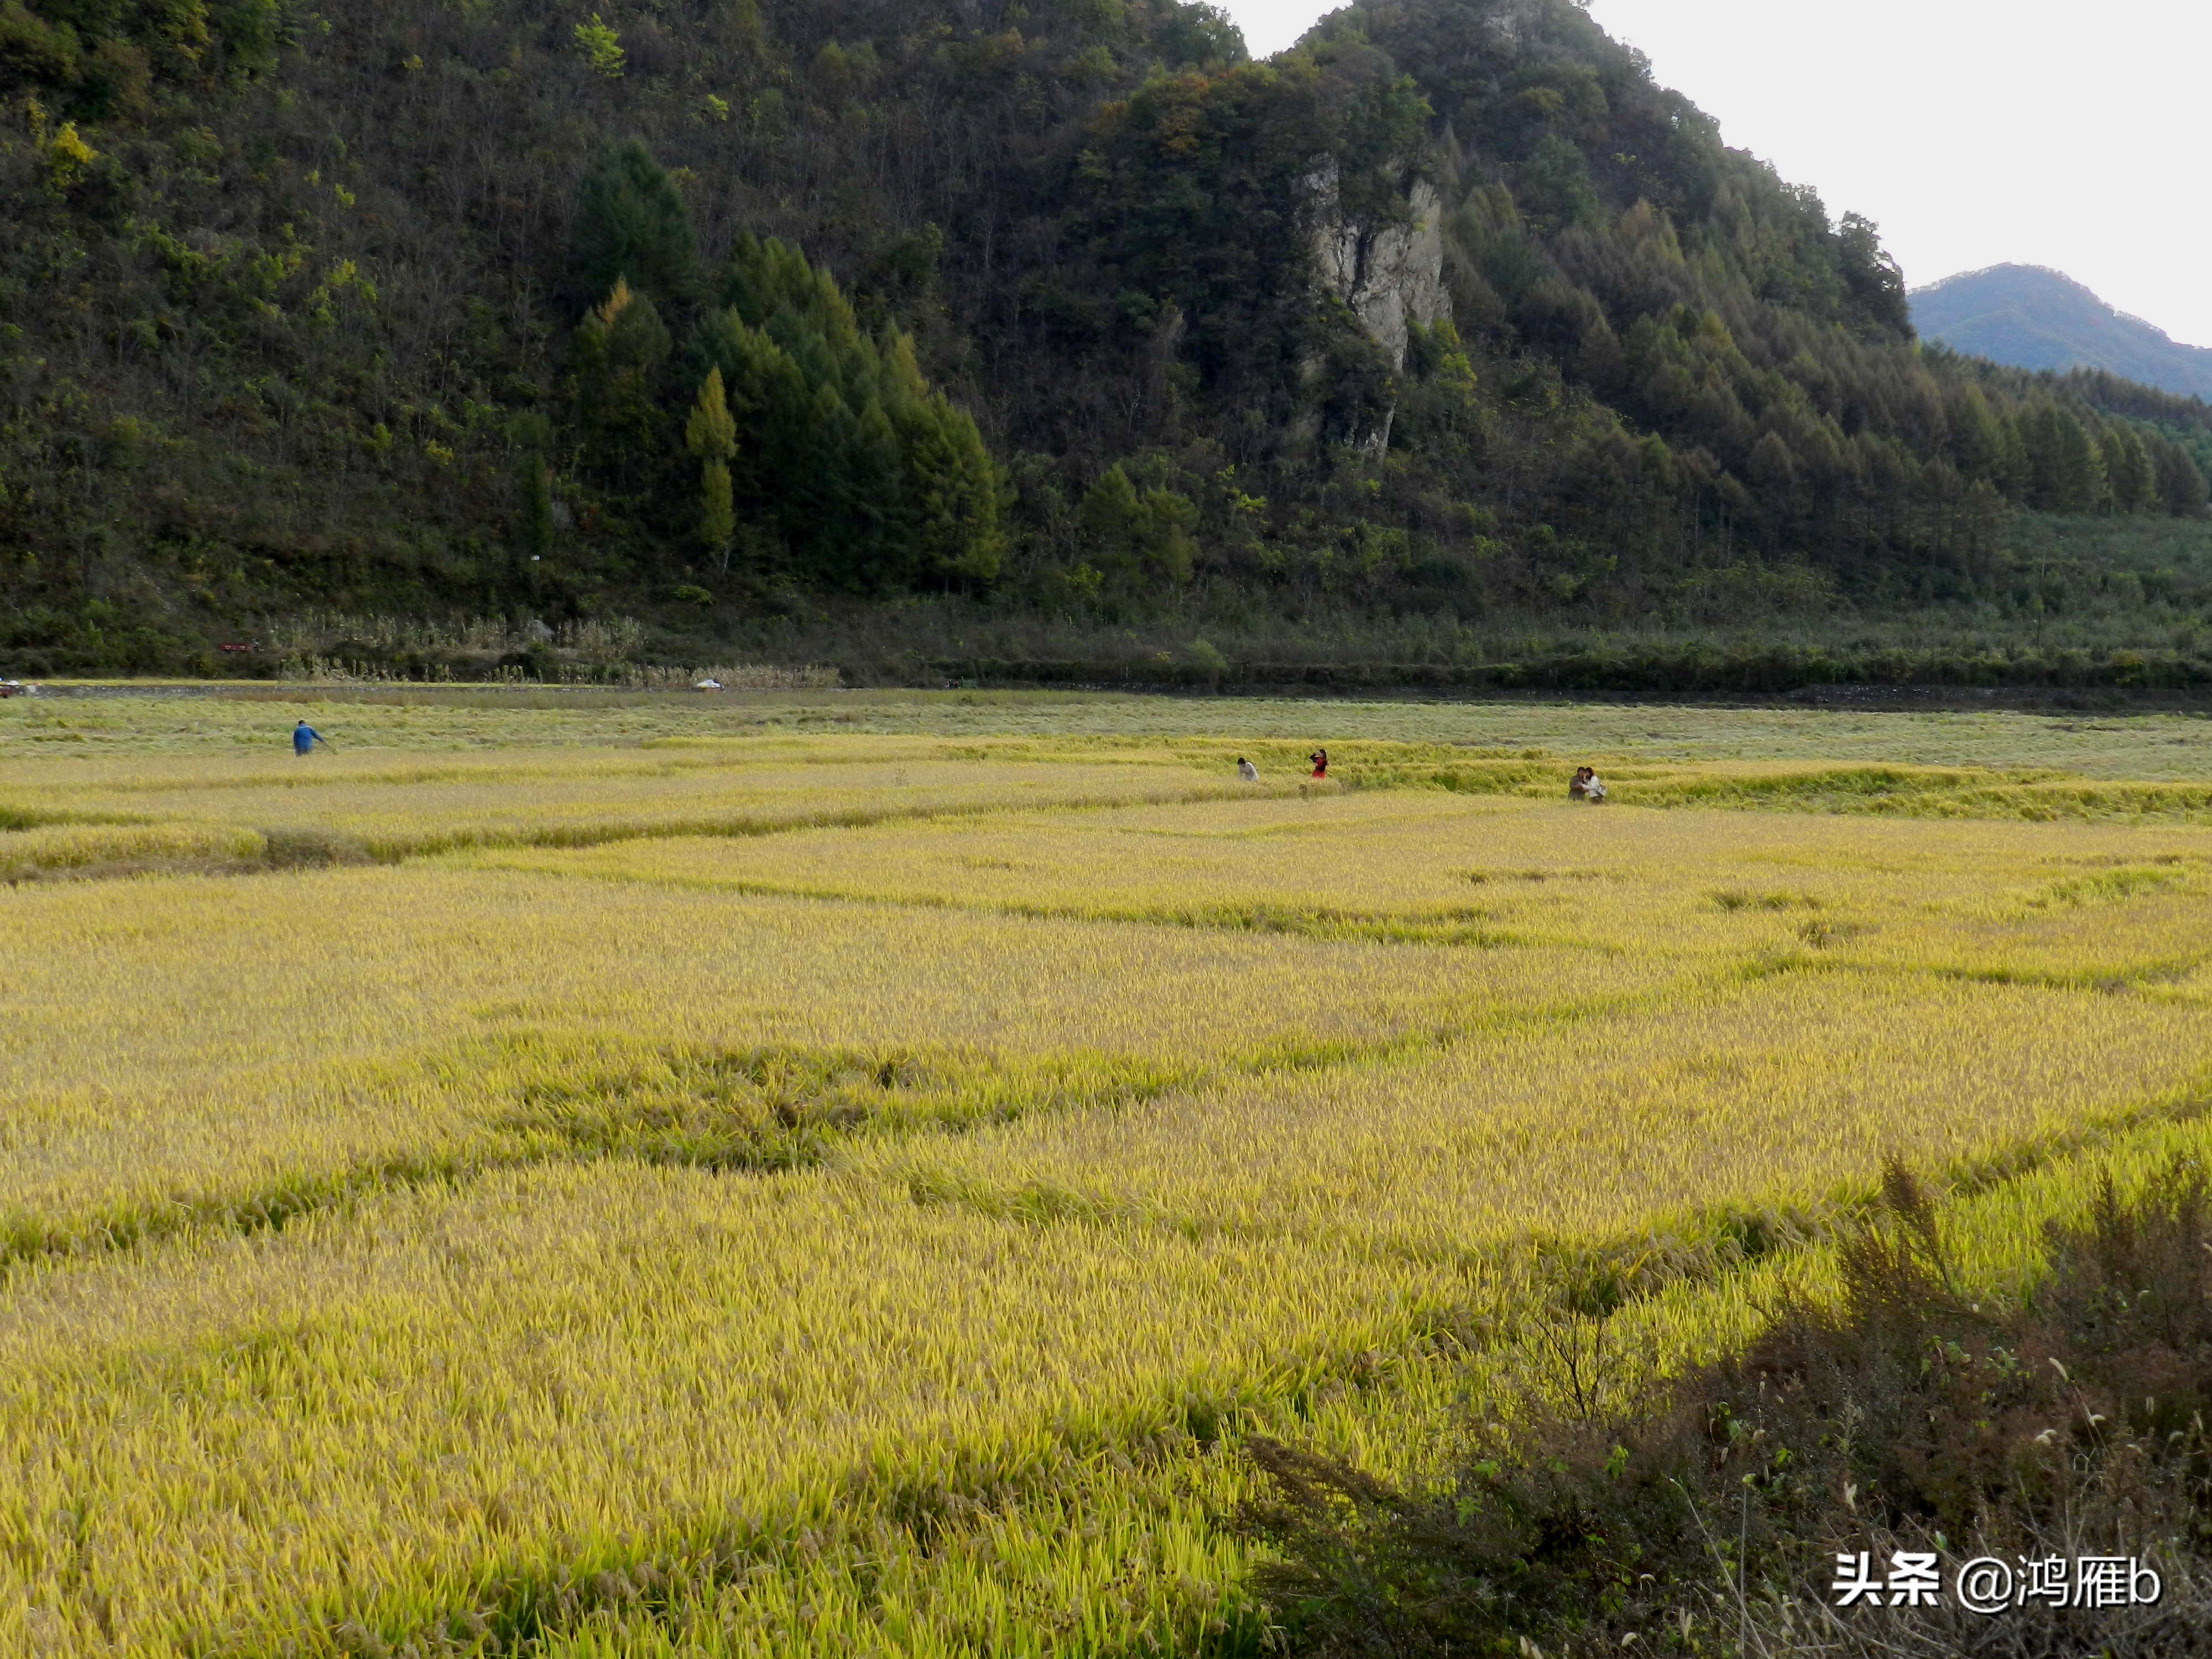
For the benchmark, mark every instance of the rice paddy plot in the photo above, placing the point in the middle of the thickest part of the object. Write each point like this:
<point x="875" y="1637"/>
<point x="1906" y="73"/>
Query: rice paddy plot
<point x="383" y="1418"/>
<point x="1113" y="1555"/>
<point x="370" y="806"/>
<point x="2073" y="904"/>
<point x="1776" y="1099"/>
<point x="246" y="720"/>
<point x="200" y="1046"/>
<point x="694" y="1181"/>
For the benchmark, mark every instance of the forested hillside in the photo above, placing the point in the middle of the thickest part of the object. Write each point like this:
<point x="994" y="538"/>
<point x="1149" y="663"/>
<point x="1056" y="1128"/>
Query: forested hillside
<point x="2031" y="318"/>
<point x="733" y="315"/>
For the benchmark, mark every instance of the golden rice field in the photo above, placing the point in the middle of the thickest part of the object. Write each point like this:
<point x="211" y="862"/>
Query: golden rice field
<point x="823" y="1173"/>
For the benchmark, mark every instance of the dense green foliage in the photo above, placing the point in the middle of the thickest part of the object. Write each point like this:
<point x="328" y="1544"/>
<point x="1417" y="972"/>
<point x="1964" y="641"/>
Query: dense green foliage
<point x="866" y="476"/>
<point x="409" y="308"/>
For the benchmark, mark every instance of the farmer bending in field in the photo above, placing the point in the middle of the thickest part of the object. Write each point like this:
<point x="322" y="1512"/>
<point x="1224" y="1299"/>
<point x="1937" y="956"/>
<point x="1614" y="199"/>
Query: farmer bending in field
<point x="1320" y="759"/>
<point x="1246" y="771"/>
<point x="1586" y="786"/>
<point x="304" y="737"/>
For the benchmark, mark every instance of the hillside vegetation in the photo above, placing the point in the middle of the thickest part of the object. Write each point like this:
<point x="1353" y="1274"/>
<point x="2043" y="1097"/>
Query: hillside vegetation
<point x="2030" y="318"/>
<point x="762" y="320"/>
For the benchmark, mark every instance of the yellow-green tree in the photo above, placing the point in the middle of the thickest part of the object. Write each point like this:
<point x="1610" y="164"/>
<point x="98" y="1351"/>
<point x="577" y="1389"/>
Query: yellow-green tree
<point x="602" y="48"/>
<point x="711" y="435"/>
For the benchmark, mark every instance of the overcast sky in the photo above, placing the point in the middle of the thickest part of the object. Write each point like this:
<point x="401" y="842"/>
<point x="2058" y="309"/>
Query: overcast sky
<point x="1975" y="132"/>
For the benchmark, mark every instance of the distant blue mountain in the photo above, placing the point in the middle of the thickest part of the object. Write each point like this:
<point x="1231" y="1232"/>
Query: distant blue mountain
<point x="2031" y="318"/>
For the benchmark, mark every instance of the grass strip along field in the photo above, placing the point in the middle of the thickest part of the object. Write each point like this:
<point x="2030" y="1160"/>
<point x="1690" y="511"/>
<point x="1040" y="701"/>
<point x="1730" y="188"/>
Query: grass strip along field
<point x="815" y="1192"/>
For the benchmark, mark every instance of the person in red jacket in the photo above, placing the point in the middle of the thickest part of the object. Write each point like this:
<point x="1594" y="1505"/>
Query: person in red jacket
<point x="1320" y="759"/>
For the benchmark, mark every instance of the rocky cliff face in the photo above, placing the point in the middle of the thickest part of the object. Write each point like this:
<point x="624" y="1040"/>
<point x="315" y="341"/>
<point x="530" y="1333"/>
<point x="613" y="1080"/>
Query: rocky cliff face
<point x="1390" y="276"/>
<point x="1519" y="23"/>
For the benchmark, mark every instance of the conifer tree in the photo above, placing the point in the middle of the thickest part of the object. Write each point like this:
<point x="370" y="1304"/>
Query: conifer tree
<point x="2066" y="469"/>
<point x="621" y="345"/>
<point x="1138" y="535"/>
<point x="711" y="435"/>
<point x="1773" y="473"/>
<point x="2133" y="485"/>
<point x="871" y="479"/>
<point x="1977" y="439"/>
<point x="2181" y="487"/>
<point x="1110" y="516"/>
<point x="954" y="494"/>
<point x="632" y="227"/>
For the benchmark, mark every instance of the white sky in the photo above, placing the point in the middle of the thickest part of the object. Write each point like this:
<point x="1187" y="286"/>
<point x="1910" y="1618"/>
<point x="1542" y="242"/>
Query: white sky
<point x="1974" y="133"/>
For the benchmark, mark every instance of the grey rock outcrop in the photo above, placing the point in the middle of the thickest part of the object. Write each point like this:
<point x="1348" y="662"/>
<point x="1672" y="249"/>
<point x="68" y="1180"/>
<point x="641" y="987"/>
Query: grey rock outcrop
<point x="1519" y="23"/>
<point x="1390" y="276"/>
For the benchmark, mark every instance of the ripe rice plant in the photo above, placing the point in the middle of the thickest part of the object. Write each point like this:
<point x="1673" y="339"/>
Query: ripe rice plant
<point x="106" y="849"/>
<point x="1763" y="1104"/>
<point x="206" y="1047"/>
<point x="695" y="1180"/>
<point x="375" y="1416"/>
<point x="1024" y="1574"/>
<point x="389" y="811"/>
<point x="2077" y="904"/>
<point x="246" y="720"/>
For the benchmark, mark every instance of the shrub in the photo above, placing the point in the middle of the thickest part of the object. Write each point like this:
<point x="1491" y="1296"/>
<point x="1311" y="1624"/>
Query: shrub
<point x="1908" y="1417"/>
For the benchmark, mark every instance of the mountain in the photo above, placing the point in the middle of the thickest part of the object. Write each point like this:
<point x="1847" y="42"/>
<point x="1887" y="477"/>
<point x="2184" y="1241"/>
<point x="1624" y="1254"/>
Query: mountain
<point x="730" y="315"/>
<point x="2031" y="317"/>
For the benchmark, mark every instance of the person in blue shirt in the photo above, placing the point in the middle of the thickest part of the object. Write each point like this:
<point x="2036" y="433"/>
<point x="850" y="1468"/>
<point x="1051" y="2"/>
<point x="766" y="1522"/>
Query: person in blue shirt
<point x="304" y="737"/>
